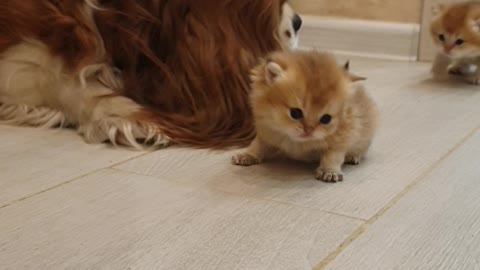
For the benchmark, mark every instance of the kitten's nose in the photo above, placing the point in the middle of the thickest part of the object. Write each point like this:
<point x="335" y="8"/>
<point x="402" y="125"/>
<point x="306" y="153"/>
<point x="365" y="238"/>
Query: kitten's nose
<point x="448" y="49"/>
<point x="308" y="130"/>
<point x="296" y="22"/>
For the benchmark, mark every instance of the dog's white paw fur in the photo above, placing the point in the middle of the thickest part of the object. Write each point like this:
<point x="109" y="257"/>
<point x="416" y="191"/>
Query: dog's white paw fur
<point x="122" y="131"/>
<point x="23" y="115"/>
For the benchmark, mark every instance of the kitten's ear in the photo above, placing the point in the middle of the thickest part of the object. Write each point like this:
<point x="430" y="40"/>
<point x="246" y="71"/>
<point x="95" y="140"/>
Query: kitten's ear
<point x="352" y="77"/>
<point x="437" y="9"/>
<point x="273" y="71"/>
<point x="475" y="24"/>
<point x="355" y="78"/>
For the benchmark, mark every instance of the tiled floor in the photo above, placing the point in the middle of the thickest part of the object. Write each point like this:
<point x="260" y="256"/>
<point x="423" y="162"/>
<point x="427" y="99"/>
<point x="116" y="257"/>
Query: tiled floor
<point x="413" y="204"/>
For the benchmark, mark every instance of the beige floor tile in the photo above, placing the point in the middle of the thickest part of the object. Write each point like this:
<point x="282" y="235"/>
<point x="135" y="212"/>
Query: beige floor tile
<point x="420" y="122"/>
<point x="117" y="220"/>
<point x="436" y="226"/>
<point x="197" y="211"/>
<point x="33" y="160"/>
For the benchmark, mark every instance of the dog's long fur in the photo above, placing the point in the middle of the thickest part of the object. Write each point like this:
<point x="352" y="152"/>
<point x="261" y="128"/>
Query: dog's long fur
<point x="131" y="70"/>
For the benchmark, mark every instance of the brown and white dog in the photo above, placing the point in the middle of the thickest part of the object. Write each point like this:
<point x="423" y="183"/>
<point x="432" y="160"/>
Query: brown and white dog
<point x="137" y="72"/>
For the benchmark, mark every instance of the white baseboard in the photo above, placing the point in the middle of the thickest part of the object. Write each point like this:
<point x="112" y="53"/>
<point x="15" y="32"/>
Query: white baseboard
<point x="398" y="41"/>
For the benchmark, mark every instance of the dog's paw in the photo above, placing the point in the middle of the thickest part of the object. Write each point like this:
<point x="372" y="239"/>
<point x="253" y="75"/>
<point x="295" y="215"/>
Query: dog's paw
<point x="245" y="160"/>
<point x="328" y="176"/>
<point x="124" y="131"/>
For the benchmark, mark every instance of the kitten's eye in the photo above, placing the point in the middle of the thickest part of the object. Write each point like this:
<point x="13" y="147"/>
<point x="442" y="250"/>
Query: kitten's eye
<point x="296" y="113"/>
<point x="326" y="119"/>
<point x="441" y="37"/>
<point x="459" y="42"/>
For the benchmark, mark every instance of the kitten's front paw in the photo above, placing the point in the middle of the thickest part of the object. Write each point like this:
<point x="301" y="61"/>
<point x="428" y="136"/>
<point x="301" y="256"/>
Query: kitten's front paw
<point x="473" y="80"/>
<point x="456" y="71"/>
<point x="352" y="160"/>
<point x="329" y="176"/>
<point x="245" y="160"/>
<point x="463" y="70"/>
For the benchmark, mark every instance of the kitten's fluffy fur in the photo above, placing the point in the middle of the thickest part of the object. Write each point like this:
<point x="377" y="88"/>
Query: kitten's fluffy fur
<point x="314" y="83"/>
<point x="455" y="30"/>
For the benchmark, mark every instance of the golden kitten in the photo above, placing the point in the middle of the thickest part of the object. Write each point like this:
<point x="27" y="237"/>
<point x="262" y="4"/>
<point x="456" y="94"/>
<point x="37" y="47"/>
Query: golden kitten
<point x="307" y="107"/>
<point x="455" y="30"/>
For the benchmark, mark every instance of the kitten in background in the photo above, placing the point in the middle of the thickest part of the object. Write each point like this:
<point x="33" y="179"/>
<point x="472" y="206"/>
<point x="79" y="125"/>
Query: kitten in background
<point x="307" y="107"/>
<point x="455" y="30"/>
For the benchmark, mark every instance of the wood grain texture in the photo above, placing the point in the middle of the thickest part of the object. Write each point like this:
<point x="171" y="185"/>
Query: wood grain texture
<point x="33" y="160"/>
<point x="434" y="227"/>
<point x="117" y="220"/>
<point x="420" y="122"/>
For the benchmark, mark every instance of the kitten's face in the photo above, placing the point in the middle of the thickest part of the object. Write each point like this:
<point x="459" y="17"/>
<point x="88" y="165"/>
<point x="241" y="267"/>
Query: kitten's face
<point x="455" y="30"/>
<point x="301" y="95"/>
